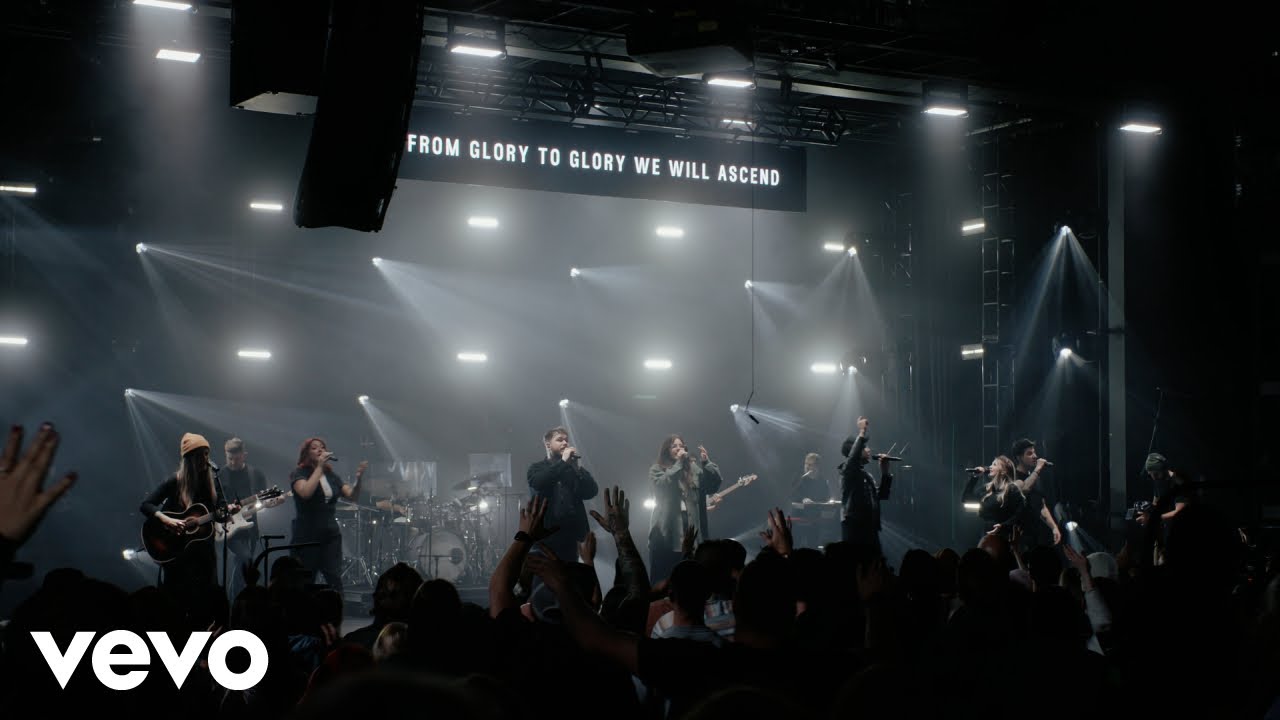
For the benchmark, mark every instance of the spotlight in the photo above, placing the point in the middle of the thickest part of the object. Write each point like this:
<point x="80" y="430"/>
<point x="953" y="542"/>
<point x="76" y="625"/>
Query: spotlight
<point x="472" y="357"/>
<point x="257" y="505"/>
<point x="650" y="503"/>
<point x="657" y="364"/>
<point x="972" y="352"/>
<point x="485" y="52"/>
<point x="1065" y="353"/>
<point x="377" y="262"/>
<point x="482" y="222"/>
<point x="128" y="553"/>
<point x="853" y="251"/>
<point x="1072" y="525"/>
<point x="833" y="247"/>
<point x="945" y="99"/>
<point x="564" y="403"/>
<point x="483" y="505"/>
<point x="823" y="368"/>
<point x="254" y="354"/>
<point x="574" y="272"/>
<point x="747" y="284"/>
<point x="362" y="399"/>
<point x="140" y="248"/>
<point x="973" y="227"/>
<point x="13" y="340"/>
<point x="972" y="506"/>
<point x="734" y="80"/>
<point x="1141" y="128"/>
<point x="128" y="392"/>
<point x="733" y="408"/>
<point x="669" y="231"/>
<point x="164" y="4"/>
<point x="17" y="189"/>
<point x="266" y="206"/>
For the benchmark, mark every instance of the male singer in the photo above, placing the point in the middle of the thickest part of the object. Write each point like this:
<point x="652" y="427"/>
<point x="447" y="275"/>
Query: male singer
<point x="860" y="494"/>
<point x="1039" y="527"/>
<point x="565" y="484"/>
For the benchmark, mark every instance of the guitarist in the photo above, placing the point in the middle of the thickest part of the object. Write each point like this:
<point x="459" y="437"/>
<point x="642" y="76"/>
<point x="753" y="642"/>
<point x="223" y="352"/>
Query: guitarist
<point x="241" y="480"/>
<point x="192" y="578"/>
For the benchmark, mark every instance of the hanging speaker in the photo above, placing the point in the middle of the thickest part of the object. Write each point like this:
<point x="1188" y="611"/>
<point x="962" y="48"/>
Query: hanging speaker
<point x="362" y="114"/>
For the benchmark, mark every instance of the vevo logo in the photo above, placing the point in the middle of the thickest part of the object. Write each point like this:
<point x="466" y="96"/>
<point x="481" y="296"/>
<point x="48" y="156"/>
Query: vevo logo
<point x="64" y="665"/>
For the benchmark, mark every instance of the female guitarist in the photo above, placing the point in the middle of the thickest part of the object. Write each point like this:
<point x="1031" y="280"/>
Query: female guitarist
<point x="191" y="579"/>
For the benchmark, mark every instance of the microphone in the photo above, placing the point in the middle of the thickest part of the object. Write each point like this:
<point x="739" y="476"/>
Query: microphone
<point x="574" y="456"/>
<point x="213" y="465"/>
<point x="976" y="470"/>
<point x="888" y="457"/>
<point x="332" y="459"/>
<point x="1047" y="463"/>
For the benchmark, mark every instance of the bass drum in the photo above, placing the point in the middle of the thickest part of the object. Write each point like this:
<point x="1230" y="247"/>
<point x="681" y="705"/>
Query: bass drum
<point x="439" y="553"/>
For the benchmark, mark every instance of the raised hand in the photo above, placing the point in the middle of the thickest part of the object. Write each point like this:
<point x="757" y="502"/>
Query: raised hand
<point x="587" y="549"/>
<point x="547" y="566"/>
<point x="778" y="534"/>
<point x="617" y="511"/>
<point x="23" y="499"/>
<point x="1040" y="464"/>
<point x="863" y="423"/>
<point x="531" y="519"/>
<point x="702" y="453"/>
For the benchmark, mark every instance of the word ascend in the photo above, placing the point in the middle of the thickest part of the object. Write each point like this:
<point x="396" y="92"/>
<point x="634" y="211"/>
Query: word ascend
<point x="64" y="665"/>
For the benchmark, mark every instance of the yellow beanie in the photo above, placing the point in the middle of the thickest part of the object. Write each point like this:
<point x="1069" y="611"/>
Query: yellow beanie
<point x="190" y="442"/>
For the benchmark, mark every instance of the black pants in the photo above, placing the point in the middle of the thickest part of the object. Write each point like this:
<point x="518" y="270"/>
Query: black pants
<point x="325" y="558"/>
<point x="865" y="540"/>
<point x="191" y="580"/>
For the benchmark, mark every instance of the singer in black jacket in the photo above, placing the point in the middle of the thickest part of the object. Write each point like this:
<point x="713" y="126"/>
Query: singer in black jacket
<point x="861" y="497"/>
<point x="565" y="484"/>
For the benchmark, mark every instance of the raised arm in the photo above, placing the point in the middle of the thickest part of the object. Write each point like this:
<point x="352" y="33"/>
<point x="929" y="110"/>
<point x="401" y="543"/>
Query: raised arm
<point x="632" y="573"/>
<point x="591" y="633"/>
<point x="503" y="581"/>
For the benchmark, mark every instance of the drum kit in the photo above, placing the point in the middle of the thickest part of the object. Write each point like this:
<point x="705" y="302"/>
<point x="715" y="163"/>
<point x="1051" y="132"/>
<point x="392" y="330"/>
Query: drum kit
<point x="458" y="538"/>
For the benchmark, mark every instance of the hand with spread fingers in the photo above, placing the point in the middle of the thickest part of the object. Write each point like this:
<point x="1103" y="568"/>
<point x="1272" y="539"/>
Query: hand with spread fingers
<point x="547" y="566"/>
<point x="778" y="534"/>
<point x="587" y="549"/>
<point x="531" y="517"/>
<point x="23" y="497"/>
<point x="617" y="510"/>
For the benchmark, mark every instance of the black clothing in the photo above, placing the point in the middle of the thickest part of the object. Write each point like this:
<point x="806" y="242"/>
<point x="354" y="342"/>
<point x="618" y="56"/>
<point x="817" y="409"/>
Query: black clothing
<point x="1007" y="515"/>
<point x="315" y="520"/>
<point x="192" y="577"/>
<point x="810" y="485"/>
<point x="564" y="487"/>
<point x="1035" y="532"/>
<point x="861" y="497"/>
<point x="238" y="485"/>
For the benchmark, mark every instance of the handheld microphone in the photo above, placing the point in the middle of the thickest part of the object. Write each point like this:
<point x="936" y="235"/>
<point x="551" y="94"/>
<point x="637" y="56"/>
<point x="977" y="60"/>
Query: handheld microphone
<point x="891" y="458"/>
<point x="1048" y="464"/>
<point x="574" y="456"/>
<point x="976" y="470"/>
<point x="332" y="459"/>
<point x="213" y="465"/>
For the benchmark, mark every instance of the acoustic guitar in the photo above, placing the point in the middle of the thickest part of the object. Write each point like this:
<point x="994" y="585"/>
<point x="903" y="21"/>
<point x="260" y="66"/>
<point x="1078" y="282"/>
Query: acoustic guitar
<point x="165" y="545"/>
<point x="714" y="501"/>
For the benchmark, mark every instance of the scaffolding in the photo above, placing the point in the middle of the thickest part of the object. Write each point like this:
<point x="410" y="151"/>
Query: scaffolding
<point x="998" y="292"/>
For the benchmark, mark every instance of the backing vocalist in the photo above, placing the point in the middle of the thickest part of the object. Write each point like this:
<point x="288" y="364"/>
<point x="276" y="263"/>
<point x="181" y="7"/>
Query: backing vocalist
<point x="681" y="484"/>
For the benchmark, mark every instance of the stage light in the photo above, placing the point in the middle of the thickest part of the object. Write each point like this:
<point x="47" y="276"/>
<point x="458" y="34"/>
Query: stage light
<point x="472" y="357"/>
<point x="257" y="505"/>
<point x="16" y="340"/>
<point x="128" y="553"/>
<point x="574" y="272"/>
<point x="945" y="99"/>
<point x="483" y="505"/>
<point x="657" y="364"/>
<point x="737" y="81"/>
<point x="735" y="121"/>
<point x="734" y="408"/>
<point x="477" y="221"/>
<point x="178" y="55"/>
<point x="946" y="111"/>
<point x="650" y="503"/>
<point x="853" y="251"/>
<point x="362" y="399"/>
<point x="255" y="354"/>
<point x="972" y="506"/>
<point x="128" y="392"/>
<point x="1072" y="525"/>
<point x="833" y="247"/>
<point x="670" y="231"/>
<point x="972" y="227"/>
<point x="747" y="284"/>
<point x="1065" y="353"/>
<point x="477" y="51"/>
<point x="266" y="206"/>
<point x="823" y="368"/>
<point x="972" y="352"/>
<point x="163" y="4"/>
<point x="377" y="262"/>
<point x="1142" y="128"/>
<point x="140" y="248"/>
<point x="18" y="189"/>
<point x="564" y="403"/>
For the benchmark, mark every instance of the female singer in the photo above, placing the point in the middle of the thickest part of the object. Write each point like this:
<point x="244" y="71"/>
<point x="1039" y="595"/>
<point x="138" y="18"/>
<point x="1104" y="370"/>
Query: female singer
<point x="192" y="577"/>
<point x="316" y="488"/>
<point x="1003" y="502"/>
<point x="681" y="485"/>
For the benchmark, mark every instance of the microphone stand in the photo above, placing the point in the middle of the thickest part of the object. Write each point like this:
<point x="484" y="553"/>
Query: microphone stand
<point x="221" y="506"/>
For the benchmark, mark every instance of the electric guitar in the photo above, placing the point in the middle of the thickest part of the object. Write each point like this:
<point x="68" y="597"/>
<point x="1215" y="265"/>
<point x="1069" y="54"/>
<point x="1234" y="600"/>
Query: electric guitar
<point x="714" y="501"/>
<point x="165" y="545"/>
